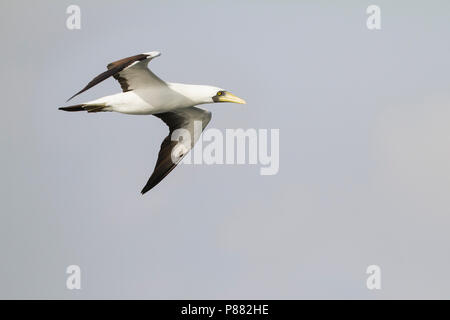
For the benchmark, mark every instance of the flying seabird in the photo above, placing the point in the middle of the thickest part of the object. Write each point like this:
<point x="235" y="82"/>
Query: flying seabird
<point x="145" y="93"/>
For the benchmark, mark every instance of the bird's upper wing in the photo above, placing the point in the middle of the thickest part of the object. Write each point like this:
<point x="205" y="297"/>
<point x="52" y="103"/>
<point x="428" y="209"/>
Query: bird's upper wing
<point x="174" y="148"/>
<point x="131" y="72"/>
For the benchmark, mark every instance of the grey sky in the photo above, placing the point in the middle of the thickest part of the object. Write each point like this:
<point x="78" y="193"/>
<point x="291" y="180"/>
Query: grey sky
<point x="364" y="152"/>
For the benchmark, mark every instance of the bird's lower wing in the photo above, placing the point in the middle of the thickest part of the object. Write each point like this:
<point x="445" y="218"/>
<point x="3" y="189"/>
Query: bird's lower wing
<point x="185" y="127"/>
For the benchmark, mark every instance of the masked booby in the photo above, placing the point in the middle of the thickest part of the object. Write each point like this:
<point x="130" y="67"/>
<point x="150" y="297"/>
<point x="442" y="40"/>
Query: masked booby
<point x="144" y="93"/>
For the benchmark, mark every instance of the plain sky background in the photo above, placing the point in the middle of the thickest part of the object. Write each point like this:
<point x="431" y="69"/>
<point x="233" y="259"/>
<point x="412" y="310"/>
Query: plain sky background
<point x="364" y="119"/>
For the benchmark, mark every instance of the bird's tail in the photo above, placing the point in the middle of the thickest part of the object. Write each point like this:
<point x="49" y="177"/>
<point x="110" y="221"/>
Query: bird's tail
<point x="85" y="107"/>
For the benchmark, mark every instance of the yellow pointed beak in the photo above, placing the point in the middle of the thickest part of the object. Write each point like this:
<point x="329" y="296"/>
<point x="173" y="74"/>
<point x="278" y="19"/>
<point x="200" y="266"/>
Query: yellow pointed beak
<point x="229" y="97"/>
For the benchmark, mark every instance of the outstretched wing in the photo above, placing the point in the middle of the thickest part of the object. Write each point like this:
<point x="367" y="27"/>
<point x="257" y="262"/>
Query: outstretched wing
<point x="179" y="142"/>
<point x="131" y="72"/>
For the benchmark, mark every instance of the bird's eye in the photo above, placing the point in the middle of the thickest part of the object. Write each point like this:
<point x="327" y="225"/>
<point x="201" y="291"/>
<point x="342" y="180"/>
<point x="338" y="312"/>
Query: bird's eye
<point x="219" y="93"/>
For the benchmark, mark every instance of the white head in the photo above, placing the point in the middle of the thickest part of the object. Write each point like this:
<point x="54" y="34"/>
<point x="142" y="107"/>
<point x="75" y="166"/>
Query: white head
<point x="209" y="94"/>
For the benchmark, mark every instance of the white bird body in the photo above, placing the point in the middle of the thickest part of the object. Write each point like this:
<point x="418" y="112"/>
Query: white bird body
<point x="144" y="93"/>
<point x="156" y="99"/>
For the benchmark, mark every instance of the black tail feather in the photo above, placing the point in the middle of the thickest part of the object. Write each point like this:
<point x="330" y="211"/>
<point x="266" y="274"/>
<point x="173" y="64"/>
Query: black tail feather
<point x="78" y="107"/>
<point x="84" y="107"/>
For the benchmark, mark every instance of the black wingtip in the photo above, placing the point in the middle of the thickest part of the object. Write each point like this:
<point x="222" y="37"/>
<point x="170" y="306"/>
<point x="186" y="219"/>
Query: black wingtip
<point x="145" y="190"/>
<point x="73" y="96"/>
<point x="149" y="186"/>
